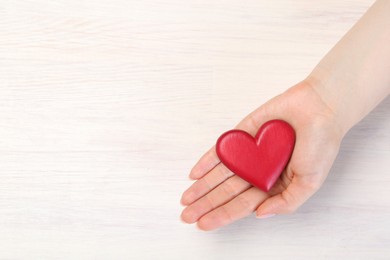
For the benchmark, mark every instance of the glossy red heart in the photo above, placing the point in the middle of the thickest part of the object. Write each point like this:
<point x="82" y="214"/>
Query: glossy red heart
<point x="259" y="160"/>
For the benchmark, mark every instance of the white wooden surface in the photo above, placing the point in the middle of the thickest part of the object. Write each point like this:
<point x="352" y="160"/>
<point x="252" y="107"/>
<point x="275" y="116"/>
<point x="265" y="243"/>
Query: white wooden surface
<point x="105" y="106"/>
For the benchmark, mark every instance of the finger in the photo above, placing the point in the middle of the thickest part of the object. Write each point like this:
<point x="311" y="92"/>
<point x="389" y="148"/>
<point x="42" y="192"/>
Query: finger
<point x="204" y="185"/>
<point x="215" y="198"/>
<point x="239" y="207"/>
<point x="288" y="201"/>
<point x="205" y="164"/>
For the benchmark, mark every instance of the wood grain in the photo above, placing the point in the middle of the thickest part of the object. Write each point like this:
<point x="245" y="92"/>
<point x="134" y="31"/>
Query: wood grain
<point x="106" y="105"/>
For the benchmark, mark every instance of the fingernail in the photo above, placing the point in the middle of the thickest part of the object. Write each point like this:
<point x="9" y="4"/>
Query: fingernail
<point x="265" y="216"/>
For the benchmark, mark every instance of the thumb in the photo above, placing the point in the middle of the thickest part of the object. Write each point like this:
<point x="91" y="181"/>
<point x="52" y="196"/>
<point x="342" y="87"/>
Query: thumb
<point x="288" y="201"/>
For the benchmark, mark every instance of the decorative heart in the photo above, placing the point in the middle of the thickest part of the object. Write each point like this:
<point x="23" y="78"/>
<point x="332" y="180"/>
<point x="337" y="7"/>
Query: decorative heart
<point x="259" y="160"/>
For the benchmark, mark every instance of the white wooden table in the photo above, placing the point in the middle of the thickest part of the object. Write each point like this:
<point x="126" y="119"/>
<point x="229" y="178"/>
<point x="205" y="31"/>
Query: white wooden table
<point x="105" y="106"/>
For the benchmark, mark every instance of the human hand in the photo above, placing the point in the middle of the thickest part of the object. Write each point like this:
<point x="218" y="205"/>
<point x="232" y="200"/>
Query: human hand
<point x="218" y="197"/>
<point x="344" y="87"/>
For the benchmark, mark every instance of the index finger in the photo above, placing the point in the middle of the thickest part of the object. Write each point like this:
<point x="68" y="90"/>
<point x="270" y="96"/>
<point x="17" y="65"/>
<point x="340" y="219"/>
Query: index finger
<point x="205" y="164"/>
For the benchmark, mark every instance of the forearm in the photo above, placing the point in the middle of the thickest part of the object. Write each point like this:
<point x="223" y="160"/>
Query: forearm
<point x="355" y="75"/>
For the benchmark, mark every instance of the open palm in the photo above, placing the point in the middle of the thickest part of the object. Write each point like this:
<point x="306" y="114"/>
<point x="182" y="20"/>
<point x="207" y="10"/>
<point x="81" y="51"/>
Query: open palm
<point x="218" y="197"/>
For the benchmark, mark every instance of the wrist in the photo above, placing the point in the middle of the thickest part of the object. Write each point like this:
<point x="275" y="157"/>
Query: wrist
<point x="328" y="91"/>
<point x="354" y="76"/>
<point x="339" y="114"/>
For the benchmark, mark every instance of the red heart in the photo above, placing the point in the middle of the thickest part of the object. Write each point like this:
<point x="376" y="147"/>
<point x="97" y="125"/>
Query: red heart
<point x="259" y="160"/>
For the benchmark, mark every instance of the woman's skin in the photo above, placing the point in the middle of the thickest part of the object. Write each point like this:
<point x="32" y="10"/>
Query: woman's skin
<point x="344" y="87"/>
